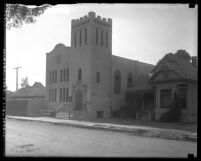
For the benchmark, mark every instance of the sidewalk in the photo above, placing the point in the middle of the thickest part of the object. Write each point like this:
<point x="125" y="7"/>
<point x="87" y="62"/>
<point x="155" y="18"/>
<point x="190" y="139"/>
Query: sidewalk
<point x="145" y="131"/>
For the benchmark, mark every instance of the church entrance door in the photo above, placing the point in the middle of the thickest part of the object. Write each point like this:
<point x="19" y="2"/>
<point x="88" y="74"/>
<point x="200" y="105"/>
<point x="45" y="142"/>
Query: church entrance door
<point x="79" y="100"/>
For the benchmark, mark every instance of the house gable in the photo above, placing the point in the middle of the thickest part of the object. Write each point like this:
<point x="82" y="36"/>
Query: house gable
<point x="165" y="76"/>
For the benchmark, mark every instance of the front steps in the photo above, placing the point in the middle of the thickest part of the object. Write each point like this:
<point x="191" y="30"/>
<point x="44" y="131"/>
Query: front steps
<point x="63" y="115"/>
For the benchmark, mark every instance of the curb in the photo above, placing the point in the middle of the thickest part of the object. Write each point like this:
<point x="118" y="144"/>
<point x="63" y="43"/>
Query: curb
<point x="136" y="132"/>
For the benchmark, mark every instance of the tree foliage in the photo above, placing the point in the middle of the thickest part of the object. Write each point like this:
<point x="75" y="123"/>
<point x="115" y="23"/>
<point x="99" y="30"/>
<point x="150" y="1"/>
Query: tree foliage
<point x="173" y="115"/>
<point x="183" y="54"/>
<point x="25" y="82"/>
<point x="16" y="15"/>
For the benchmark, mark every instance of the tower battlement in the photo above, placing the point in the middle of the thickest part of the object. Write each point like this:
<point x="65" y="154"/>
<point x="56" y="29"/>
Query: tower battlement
<point x="91" y="17"/>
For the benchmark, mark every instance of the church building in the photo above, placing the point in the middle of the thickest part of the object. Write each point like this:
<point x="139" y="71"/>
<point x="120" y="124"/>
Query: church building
<point x="85" y="78"/>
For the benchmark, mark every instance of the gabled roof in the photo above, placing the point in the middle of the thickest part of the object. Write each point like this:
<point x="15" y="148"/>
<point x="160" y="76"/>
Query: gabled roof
<point x="184" y="68"/>
<point x="36" y="90"/>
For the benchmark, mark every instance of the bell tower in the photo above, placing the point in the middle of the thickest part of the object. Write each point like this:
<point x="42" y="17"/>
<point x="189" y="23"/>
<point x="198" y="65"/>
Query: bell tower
<point x="91" y="40"/>
<point x="91" y="31"/>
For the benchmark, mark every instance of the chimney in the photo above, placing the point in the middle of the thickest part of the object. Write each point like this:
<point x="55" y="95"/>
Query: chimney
<point x="195" y="61"/>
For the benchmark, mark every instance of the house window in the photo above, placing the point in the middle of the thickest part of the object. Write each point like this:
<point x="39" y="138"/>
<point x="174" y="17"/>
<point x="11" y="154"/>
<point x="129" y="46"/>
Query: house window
<point x="79" y="74"/>
<point x="182" y="94"/>
<point x="101" y="37"/>
<point x="98" y="77"/>
<point x="86" y="36"/>
<point x="117" y="82"/>
<point x="129" y="80"/>
<point x="106" y="39"/>
<point x="75" y="39"/>
<point x="166" y="98"/>
<point x="80" y="38"/>
<point x="60" y="96"/>
<point x="96" y="36"/>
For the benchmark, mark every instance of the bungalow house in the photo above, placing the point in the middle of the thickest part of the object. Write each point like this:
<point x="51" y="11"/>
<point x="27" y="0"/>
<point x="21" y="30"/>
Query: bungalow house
<point x="153" y="94"/>
<point x="28" y="101"/>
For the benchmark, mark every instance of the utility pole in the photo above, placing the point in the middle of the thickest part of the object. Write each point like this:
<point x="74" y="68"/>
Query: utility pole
<point x="17" y="77"/>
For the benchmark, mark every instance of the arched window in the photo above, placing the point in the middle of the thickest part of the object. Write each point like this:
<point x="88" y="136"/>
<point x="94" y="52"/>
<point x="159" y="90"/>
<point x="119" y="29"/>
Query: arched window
<point x="129" y="80"/>
<point x="117" y="82"/>
<point x="79" y="74"/>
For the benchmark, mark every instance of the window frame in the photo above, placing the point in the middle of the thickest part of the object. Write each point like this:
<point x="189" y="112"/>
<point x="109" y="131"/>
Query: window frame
<point x="164" y="93"/>
<point x="117" y="83"/>
<point x="97" y="77"/>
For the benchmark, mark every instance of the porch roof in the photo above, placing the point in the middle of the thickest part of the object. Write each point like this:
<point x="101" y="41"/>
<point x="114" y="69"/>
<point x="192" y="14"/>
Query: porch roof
<point x="141" y="85"/>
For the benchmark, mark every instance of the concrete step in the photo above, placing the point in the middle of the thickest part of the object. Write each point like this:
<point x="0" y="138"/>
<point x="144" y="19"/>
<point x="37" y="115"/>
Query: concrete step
<point x="62" y="115"/>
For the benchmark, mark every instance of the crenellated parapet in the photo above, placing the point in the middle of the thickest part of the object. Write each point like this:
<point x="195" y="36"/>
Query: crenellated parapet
<point x="91" y="17"/>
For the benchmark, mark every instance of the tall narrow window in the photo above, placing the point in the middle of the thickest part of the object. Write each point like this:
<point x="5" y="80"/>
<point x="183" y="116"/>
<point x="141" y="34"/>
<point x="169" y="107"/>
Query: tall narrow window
<point x="75" y="39"/>
<point x="64" y="94"/>
<point x="55" y="96"/>
<point x="67" y="95"/>
<point x="96" y="36"/>
<point x="166" y="98"/>
<point x="101" y="37"/>
<point x="67" y="74"/>
<point x="64" y="75"/>
<point x="182" y="94"/>
<point x="129" y="80"/>
<point x="49" y="95"/>
<point x="117" y="82"/>
<point x="98" y="77"/>
<point x="106" y="39"/>
<point x="86" y="36"/>
<point x="52" y="95"/>
<point x="55" y="76"/>
<point x="80" y="38"/>
<point x="60" y="96"/>
<point x="61" y="75"/>
<point x="50" y="77"/>
<point x="79" y="74"/>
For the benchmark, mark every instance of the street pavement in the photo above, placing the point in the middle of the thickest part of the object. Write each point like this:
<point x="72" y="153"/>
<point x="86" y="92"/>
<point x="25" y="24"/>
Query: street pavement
<point x="33" y="138"/>
<point x="135" y="130"/>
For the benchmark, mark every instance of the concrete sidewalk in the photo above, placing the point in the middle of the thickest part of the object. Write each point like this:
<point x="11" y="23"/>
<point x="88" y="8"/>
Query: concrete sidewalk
<point x="135" y="130"/>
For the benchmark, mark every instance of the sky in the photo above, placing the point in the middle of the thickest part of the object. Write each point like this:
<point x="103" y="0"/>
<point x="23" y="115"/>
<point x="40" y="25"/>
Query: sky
<point x="143" y="32"/>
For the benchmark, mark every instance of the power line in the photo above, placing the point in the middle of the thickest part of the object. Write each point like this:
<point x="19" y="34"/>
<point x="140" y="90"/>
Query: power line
<point x="17" y="77"/>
